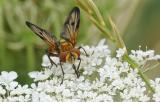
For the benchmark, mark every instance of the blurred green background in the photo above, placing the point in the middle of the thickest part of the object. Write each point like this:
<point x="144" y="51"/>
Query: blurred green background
<point x="21" y="50"/>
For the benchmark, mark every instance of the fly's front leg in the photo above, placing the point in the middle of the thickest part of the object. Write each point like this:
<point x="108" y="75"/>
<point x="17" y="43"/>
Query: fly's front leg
<point x="51" y="61"/>
<point x="83" y="50"/>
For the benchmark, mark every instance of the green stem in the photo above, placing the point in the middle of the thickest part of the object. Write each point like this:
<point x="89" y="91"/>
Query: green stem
<point x="100" y="24"/>
<point x="98" y="20"/>
<point x="105" y="31"/>
<point x="119" y="40"/>
<point x="97" y="12"/>
<point x="135" y="65"/>
<point x="84" y="6"/>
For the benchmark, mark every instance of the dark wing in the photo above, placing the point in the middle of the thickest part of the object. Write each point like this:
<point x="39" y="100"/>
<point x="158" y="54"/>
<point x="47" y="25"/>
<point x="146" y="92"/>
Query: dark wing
<point x="43" y="34"/>
<point x="71" y="25"/>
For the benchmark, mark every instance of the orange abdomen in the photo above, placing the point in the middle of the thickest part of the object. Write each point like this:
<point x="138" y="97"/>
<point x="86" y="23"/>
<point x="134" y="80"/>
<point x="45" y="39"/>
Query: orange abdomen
<point x="62" y="56"/>
<point x="77" y="51"/>
<point x="65" y="56"/>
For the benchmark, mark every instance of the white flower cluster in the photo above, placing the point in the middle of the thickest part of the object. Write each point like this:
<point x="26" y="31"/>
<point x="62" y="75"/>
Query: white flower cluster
<point x="156" y="85"/>
<point x="142" y="56"/>
<point x="11" y="91"/>
<point x="102" y="79"/>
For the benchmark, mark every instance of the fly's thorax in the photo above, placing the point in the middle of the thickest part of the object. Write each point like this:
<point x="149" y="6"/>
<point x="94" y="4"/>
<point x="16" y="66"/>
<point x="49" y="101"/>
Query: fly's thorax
<point x="65" y="46"/>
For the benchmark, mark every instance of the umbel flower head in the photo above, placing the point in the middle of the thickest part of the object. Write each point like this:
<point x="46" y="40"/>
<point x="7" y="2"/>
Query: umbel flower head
<point x="11" y="90"/>
<point x="103" y="78"/>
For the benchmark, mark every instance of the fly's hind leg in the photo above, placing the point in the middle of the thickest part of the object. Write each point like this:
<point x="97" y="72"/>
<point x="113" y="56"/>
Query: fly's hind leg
<point x="52" y="62"/>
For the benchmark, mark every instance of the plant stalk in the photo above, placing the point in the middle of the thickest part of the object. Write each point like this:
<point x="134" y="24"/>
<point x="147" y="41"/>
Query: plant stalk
<point x="135" y="65"/>
<point x="100" y="24"/>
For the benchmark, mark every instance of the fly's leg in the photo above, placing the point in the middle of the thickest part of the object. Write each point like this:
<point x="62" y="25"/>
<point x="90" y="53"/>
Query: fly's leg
<point x="51" y="61"/>
<point x="83" y="50"/>
<point x="62" y="72"/>
<point x="79" y="63"/>
<point x="76" y="71"/>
